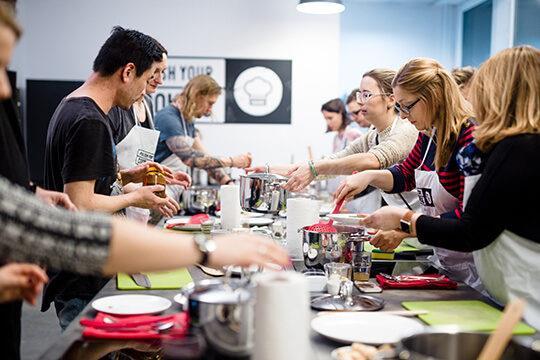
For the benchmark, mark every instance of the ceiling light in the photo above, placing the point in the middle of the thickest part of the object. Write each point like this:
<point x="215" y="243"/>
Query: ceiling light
<point x="320" y="7"/>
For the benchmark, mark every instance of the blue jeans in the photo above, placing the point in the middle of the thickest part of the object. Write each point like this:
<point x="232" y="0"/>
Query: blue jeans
<point x="67" y="310"/>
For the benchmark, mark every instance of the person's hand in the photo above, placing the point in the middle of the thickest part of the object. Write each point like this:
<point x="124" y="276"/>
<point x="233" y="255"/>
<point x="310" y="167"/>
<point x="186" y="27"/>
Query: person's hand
<point x="138" y="173"/>
<point x="388" y="240"/>
<point x="245" y="250"/>
<point x="241" y="161"/>
<point x="146" y="198"/>
<point x="299" y="178"/>
<point x="386" y="218"/>
<point x="351" y="186"/>
<point x="181" y="178"/>
<point x="283" y="170"/>
<point x="21" y="281"/>
<point x="55" y="198"/>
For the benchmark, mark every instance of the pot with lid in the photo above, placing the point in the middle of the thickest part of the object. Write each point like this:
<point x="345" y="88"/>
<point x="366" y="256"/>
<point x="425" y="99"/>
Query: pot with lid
<point x="224" y="311"/>
<point x="201" y="199"/>
<point x="320" y="248"/>
<point x="263" y="193"/>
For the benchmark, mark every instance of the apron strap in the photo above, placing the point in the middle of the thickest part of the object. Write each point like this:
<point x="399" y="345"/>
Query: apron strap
<point x="427" y="149"/>
<point x="135" y="115"/>
<point x="148" y="114"/>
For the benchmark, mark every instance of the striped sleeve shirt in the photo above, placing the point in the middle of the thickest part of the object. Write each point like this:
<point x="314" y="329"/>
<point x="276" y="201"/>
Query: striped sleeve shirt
<point x="449" y="175"/>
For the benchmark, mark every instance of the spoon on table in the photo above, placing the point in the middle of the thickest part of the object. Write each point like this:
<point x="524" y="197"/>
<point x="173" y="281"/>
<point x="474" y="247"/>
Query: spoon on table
<point x="499" y="338"/>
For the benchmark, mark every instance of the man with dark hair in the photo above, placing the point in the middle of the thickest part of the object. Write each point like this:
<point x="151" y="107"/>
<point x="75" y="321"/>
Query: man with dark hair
<point x="80" y="157"/>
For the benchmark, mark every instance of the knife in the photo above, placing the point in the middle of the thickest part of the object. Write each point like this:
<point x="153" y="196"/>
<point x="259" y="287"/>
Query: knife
<point x="141" y="280"/>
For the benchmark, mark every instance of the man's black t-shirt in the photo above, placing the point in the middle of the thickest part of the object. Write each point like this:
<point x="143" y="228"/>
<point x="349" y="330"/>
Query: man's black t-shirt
<point x="79" y="147"/>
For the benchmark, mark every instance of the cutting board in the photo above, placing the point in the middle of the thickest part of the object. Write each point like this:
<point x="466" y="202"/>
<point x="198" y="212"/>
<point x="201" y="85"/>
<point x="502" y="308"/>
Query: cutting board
<point x="166" y="280"/>
<point x="468" y="315"/>
<point x="381" y="255"/>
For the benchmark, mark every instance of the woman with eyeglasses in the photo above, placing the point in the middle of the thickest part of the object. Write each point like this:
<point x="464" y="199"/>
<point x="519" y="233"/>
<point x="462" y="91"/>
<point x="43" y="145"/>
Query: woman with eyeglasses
<point x="353" y="108"/>
<point x="429" y="98"/>
<point x="501" y="180"/>
<point x="338" y="121"/>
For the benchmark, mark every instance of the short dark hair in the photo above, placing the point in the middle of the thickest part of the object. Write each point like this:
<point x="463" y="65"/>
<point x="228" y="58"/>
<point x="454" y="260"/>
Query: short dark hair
<point x="128" y="46"/>
<point x="337" y="106"/>
<point x="352" y="96"/>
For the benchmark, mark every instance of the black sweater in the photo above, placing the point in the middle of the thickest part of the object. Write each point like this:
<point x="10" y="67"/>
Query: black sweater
<point x="506" y="197"/>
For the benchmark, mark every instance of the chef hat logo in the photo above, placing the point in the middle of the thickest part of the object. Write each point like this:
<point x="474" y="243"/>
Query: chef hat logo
<point x="258" y="90"/>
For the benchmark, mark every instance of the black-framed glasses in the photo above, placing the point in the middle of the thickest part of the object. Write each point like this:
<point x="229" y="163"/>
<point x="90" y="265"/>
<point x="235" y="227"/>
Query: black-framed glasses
<point x="363" y="97"/>
<point x="406" y="109"/>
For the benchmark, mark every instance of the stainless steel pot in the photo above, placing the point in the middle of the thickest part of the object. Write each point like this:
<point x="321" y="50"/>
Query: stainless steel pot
<point x="224" y="311"/>
<point x="263" y="192"/>
<point x="456" y="346"/>
<point x="320" y="248"/>
<point x="200" y="199"/>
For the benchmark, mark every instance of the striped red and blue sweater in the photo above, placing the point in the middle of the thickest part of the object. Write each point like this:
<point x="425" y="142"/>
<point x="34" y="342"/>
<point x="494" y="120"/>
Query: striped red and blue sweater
<point x="449" y="175"/>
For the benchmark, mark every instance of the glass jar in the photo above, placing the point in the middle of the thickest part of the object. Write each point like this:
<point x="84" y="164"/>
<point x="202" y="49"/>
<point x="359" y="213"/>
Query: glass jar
<point x="155" y="177"/>
<point x="361" y="266"/>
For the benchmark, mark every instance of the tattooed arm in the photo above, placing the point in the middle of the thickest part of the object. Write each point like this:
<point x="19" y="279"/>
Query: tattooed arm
<point x="219" y="175"/>
<point x="195" y="158"/>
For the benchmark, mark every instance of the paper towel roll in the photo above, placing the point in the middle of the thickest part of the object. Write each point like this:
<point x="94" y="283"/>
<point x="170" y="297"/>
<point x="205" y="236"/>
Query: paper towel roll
<point x="300" y="212"/>
<point x="229" y="196"/>
<point x="282" y="316"/>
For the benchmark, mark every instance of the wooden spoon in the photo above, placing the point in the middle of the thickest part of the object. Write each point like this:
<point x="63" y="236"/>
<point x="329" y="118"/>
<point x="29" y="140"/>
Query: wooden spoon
<point x="499" y="338"/>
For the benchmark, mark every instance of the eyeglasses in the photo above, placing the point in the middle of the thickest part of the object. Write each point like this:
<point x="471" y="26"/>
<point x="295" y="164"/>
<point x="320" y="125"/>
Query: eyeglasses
<point x="406" y="109"/>
<point x="363" y="97"/>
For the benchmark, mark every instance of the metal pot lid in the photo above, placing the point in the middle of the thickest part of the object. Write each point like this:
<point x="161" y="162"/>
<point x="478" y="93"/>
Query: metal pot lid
<point x="338" y="303"/>
<point x="220" y="293"/>
<point x="266" y="176"/>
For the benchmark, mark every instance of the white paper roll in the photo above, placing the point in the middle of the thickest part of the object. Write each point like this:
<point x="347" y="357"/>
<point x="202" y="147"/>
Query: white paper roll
<point x="282" y="316"/>
<point x="300" y="212"/>
<point x="229" y="196"/>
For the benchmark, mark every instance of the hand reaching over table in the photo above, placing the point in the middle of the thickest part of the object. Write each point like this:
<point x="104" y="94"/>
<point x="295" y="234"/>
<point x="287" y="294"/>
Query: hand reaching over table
<point x="21" y="281"/>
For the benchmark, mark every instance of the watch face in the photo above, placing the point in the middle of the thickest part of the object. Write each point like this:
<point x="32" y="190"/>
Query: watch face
<point x="405" y="226"/>
<point x="211" y="245"/>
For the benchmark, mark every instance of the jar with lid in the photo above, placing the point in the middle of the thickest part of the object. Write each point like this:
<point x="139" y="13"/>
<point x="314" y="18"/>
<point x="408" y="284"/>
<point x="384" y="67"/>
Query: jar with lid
<point x="155" y="177"/>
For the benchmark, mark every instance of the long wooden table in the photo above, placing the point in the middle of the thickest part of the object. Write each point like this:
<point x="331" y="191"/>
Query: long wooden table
<point x="70" y="345"/>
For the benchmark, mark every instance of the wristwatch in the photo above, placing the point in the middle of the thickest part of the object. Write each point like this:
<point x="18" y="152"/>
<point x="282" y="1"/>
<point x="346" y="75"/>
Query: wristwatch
<point x="405" y="222"/>
<point x="206" y="246"/>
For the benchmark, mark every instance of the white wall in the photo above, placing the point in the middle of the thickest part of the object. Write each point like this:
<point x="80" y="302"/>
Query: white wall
<point x="62" y="38"/>
<point x="388" y="34"/>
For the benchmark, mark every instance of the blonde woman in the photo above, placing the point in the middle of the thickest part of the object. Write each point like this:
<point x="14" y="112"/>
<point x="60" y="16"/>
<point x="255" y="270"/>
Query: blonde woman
<point x="430" y="99"/>
<point x="388" y="142"/>
<point x="179" y="147"/>
<point x="505" y="239"/>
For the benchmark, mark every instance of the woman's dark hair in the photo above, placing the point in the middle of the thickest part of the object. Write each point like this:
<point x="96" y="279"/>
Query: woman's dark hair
<point x="352" y="96"/>
<point x="337" y="106"/>
<point x="128" y="46"/>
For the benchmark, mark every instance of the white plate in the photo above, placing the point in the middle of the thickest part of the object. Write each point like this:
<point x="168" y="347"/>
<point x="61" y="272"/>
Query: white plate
<point x="347" y="219"/>
<point x="131" y="304"/>
<point x="368" y="328"/>
<point x="182" y="222"/>
<point x="257" y="221"/>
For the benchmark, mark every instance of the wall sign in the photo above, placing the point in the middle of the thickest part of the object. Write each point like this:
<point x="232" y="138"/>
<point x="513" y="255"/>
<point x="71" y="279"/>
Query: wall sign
<point x="254" y="91"/>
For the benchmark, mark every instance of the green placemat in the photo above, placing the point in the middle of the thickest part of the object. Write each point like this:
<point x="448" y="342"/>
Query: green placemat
<point x="468" y="315"/>
<point x="400" y="248"/>
<point x="166" y="280"/>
